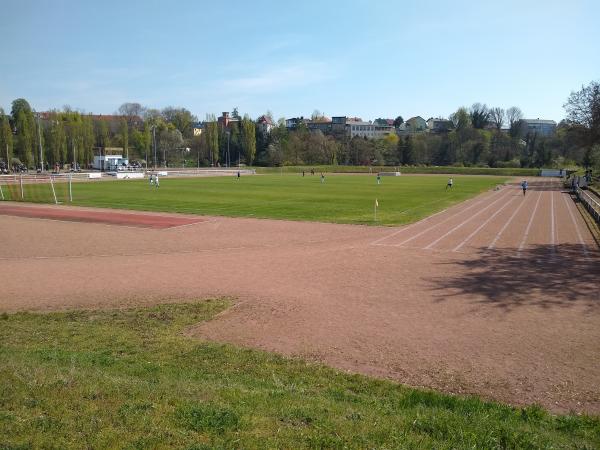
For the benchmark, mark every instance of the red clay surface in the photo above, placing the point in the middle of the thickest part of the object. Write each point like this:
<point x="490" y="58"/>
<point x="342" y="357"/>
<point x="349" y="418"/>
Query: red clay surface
<point x="497" y="296"/>
<point x="94" y="216"/>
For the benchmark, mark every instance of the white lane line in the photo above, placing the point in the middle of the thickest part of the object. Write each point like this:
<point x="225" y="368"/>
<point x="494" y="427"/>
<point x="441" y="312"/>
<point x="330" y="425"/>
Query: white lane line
<point x="553" y="223"/>
<point x="522" y="244"/>
<point x="437" y="224"/>
<point x="493" y="244"/>
<point x="421" y="222"/>
<point x="581" y="241"/>
<point x="462" y="223"/>
<point x="455" y="249"/>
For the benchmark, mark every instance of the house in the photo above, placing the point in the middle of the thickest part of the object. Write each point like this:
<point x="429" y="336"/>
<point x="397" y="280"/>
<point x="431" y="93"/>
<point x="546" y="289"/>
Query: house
<point x="197" y="129"/>
<point x="225" y="119"/>
<point x="357" y="127"/>
<point x="439" y="125"/>
<point x="382" y="131"/>
<point x="538" y="126"/>
<point x="294" y="122"/>
<point x="322" y="124"/>
<point x="265" y="125"/>
<point x="416" y="125"/>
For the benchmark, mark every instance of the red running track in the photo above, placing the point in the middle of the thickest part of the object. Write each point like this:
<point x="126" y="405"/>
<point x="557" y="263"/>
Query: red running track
<point x="106" y="216"/>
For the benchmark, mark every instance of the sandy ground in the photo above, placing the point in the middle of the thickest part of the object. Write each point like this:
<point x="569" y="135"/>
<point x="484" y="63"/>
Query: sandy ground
<point x="498" y="296"/>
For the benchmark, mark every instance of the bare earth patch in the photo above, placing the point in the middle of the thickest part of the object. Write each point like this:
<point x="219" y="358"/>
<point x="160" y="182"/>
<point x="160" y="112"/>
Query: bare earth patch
<point x="497" y="296"/>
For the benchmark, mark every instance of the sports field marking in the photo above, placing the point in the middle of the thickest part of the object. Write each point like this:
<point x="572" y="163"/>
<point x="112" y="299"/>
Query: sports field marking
<point x="552" y="223"/>
<point x="431" y="244"/>
<point x="579" y="237"/>
<point x="437" y="224"/>
<point x="455" y="249"/>
<point x="420" y="222"/>
<point x="508" y="222"/>
<point x="526" y="234"/>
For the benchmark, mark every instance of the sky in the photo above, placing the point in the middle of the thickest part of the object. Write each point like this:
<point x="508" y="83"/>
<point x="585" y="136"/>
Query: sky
<point x="367" y="59"/>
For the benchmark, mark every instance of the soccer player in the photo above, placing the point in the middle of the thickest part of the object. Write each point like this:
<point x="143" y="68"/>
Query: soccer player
<point x="151" y="180"/>
<point x="156" y="183"/>
<point x="524" y="186"/>
<point x="450" y="183"/>
<point x="378" y="179"/>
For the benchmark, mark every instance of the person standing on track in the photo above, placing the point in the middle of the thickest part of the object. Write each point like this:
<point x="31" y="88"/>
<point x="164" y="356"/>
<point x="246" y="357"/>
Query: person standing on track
<point x="450" y="183"/>
<point x="524" y="186"/>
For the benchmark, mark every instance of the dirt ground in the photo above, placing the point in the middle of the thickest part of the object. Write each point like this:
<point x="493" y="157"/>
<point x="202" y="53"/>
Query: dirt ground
<point x="498" y="296"/>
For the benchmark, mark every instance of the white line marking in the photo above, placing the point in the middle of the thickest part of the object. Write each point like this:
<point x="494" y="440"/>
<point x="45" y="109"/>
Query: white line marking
<point x="437" y="224"/>
<point x="455" y="249"/>
<point x="553" y="223"/>
<point x="581" y="241"/>
<point x="493" y="244"/>
<point x="420" y="222"/>
<point x="461" y="224"/>
<point x="530" y="222"/>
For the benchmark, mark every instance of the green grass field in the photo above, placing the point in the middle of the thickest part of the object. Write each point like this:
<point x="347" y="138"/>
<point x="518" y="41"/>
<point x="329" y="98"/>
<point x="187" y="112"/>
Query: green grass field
<point x="131" y="379"/>
<point x="341" y="199"/>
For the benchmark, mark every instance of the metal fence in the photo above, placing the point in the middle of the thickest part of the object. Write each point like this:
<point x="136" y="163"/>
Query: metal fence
<point x="591" y="203"/>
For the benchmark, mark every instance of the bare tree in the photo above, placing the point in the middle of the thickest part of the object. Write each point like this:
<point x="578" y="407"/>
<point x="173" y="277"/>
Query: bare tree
<point x="480" y="115"/>
<point x="131" y="110"/>
<point x="513" y="115"/>
<point x="497" y="117"/>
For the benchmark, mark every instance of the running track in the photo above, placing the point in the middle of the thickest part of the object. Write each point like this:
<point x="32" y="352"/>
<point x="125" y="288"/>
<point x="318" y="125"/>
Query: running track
<point x="504" y="220"/>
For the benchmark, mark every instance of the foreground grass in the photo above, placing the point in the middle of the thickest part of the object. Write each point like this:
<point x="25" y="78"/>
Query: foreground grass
<point x="341" y="199"/>
<point x="131" y="379"/>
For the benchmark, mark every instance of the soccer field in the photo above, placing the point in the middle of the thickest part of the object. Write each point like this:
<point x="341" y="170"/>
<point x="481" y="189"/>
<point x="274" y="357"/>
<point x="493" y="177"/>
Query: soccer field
<point x="341" y="198"/>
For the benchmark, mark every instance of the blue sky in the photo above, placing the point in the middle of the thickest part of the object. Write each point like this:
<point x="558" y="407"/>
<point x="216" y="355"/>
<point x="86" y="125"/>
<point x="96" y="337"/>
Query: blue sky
<point x="359" y="58"/>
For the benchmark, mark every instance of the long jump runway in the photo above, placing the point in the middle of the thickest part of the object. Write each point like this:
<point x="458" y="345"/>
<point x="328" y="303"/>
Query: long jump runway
<point x="497" y="296"/>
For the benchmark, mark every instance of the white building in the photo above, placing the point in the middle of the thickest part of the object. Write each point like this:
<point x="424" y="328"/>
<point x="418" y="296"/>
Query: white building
<point x="110" y="163"/>
<point x="360" y="129"/>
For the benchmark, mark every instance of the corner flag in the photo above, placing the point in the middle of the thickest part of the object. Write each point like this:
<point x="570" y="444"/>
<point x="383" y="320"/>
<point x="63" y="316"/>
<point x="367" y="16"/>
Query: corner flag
<point x="376" y="203"/>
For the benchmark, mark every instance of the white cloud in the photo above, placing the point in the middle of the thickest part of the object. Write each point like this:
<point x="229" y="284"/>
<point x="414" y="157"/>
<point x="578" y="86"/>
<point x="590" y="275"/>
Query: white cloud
<point x="279" y="78"/>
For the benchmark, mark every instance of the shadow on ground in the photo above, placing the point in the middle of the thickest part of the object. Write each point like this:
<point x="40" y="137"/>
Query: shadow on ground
<point x="539" y="276"/>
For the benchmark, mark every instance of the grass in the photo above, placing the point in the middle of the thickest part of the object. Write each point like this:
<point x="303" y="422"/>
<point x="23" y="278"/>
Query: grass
<point x="131" y="379"/>
<point x="341" y="199"/>
<point x="499" y="171"/>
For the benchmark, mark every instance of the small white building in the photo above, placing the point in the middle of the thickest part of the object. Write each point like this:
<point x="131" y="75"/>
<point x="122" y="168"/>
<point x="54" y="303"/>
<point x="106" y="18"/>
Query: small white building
<point x="110" y="163"/>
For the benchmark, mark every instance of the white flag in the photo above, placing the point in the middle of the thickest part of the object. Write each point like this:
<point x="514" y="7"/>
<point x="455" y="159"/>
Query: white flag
<point x="376" y="204"/>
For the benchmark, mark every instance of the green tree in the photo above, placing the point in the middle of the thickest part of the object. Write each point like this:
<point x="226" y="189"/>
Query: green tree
<point x="408" y="151"/>
<point x="211" y="136"/>
<point x="583" y="108"/>
<point x="56" y="140"/>
<point x="6" y="138"/>
<point x="124" y="134"/>
<point x="88" y="139"/>
<point x="249" y="139"/>
<point x="102" y="133"/>
<point x="24" y="142"/>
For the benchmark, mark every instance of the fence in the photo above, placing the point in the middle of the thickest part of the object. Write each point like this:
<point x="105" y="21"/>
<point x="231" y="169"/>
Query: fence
<point x="591" y="203"/>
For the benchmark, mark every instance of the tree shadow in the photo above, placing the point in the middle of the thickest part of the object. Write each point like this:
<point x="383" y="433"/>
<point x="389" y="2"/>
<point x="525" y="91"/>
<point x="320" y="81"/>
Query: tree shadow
<point x="543" y="276"/>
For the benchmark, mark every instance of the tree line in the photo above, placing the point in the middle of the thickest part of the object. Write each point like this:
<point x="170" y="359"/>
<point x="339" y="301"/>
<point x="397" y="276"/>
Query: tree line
<point x="478" y="136"/>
